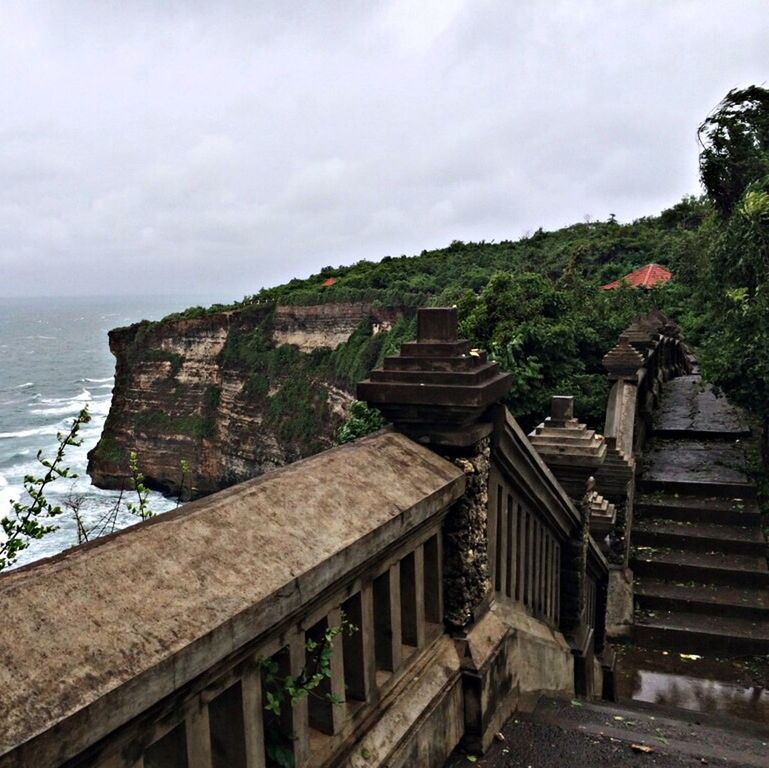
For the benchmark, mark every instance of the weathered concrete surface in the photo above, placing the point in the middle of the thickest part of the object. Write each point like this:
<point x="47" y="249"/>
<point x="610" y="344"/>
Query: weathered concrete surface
<point x="543" y="658"/>
<point x="560" y="734"/>
<point x="619" y="607"/>
<point x="689" y="405"/>
<point x="155" y="605"/>
<point x="422" y="723"/>
<point x="695" y="461"/>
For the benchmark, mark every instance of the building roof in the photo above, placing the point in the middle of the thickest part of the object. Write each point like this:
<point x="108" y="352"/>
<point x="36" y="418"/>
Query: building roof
<point x="329" y="281"/>
<point x="645" y="277"/>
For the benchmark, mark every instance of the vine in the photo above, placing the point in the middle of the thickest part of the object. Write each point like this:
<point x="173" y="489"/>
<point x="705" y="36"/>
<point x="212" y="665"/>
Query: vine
<point x="283" y="691"/>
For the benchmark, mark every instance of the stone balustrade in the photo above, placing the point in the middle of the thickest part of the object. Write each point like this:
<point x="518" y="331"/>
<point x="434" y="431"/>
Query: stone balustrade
<point x="469" y="574"/>
<point x="145" y="648"/>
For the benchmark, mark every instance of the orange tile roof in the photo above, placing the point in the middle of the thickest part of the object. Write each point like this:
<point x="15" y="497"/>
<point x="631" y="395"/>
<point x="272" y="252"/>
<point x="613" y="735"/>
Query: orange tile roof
<point x="645" y="277"/>
<point x="328" y="282"/>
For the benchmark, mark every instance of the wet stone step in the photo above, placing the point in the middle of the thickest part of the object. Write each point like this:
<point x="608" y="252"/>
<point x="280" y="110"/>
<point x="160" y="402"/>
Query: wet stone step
<point x="706" y="567"/>
<point x="748" y="540"/>
<point x="711" y="599"/>
<point x="701" y="633"/>
<point x="696" y="466"/>
<point x="733" y="511"/>
<point x="688" y="407"/>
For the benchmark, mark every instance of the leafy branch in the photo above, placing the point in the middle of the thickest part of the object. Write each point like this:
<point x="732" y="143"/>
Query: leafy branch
<point x="283" y="691"/>
<point x="26" y="522"/>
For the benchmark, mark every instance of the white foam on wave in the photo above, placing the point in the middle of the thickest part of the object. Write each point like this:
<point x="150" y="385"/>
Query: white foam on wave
<point x="82" y="397"/>
<point x="98" y="381"/>
<point x="8" y="494"/>
<point x="25" y="385"/>
<point x="49" y="429"/>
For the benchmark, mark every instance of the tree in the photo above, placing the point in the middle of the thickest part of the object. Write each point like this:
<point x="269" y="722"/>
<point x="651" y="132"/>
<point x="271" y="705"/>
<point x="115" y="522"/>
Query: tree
<point x="734" y="165"/>
<point x="735" y="146"/>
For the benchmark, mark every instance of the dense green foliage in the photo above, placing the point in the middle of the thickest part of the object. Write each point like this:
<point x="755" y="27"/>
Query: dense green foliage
<point x="363" y="420"/>
<point x="733" y="290"/>
<point x="735" y="140"/>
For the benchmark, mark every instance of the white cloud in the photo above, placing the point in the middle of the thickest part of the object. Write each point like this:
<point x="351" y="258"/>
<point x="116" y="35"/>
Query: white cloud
<point x="189" y="145"/>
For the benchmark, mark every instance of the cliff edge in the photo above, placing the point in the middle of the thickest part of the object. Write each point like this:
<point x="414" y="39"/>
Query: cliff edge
<point x="235" y="392"/>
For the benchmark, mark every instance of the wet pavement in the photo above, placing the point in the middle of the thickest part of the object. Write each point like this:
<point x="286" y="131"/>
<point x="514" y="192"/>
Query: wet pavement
<point x="738" y="687"/>
<point x="578" y="734"/>
<point x="688" y="405"/>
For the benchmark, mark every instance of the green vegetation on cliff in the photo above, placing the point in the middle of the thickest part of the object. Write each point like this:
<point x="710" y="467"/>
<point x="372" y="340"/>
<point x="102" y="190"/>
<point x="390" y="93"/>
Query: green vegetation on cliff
<point x="535" y="304"/>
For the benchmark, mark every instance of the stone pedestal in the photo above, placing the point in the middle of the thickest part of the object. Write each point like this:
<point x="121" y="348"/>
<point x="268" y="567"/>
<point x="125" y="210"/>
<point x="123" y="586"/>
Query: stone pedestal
<point x="572" y="452"/>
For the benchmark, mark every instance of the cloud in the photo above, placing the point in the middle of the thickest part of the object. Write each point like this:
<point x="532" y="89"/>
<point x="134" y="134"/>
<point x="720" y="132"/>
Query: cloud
<point x="188" y="146"/>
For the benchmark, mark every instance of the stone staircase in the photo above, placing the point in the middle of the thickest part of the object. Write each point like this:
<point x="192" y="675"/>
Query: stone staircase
<point x="699" y="554"/>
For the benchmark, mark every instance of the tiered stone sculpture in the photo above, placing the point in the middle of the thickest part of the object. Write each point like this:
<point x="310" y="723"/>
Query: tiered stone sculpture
<point x="622" y="364"/>
<point x="438" y="389"/>
<point x="574" y="454"/>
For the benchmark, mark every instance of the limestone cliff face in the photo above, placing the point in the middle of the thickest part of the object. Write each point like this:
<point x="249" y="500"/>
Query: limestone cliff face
<point x="233" y="393"/>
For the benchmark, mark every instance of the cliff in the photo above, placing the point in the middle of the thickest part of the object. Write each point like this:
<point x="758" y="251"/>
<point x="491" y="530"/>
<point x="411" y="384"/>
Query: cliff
<point x="234" y="393"/>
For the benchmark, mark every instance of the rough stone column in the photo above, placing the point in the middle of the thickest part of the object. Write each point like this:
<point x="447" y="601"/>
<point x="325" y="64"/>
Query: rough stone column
<point x="465" y="531"/>
<point x="438" y="391"/>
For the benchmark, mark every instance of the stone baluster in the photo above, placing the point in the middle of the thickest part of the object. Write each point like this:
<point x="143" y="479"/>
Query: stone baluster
<point x="253" y="717"/>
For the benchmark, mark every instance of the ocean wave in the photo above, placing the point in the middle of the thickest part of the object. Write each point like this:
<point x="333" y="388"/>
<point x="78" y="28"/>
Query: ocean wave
<point x="60" y="410"/>
<point x="25" y="385"/>
<point x="49" y="429"/>
<point x="83" y="397"/>
<point x="97" y="381"/>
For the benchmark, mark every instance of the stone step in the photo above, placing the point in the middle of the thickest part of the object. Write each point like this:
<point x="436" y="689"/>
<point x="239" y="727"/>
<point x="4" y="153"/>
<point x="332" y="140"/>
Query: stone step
<point x="696" y="467"/>
<point x="702" y="634"/>
<point x="708" y="599"/>
<point x="676" y="534"/>
<point x="696" y="487"/>
<point x="699" y="509"/>
<point x="704" y="567"/>
<point x="689" y="408"/>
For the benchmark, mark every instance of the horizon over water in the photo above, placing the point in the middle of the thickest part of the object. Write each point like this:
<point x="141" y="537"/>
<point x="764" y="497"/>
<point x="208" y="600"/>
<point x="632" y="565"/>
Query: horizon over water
<point x="55" y="360"/>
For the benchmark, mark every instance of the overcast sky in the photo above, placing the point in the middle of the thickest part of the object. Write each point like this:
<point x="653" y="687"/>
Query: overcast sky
<point x="160" y="146"/>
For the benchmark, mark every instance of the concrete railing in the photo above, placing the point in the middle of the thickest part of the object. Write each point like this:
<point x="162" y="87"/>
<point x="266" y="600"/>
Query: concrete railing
<point x="649" y="353"/>
<point x="146" y="648"/>
<point x="467" y="570"/>
<point x="543" y="560"/>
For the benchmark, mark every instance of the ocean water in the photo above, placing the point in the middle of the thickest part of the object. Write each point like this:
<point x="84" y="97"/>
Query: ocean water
<point x="55" y="359"/>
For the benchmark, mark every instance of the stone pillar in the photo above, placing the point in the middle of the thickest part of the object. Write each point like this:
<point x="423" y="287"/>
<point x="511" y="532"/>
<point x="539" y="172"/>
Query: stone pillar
<point x="623" y="364"/>
<point x="574" y="454"/>
<point x="438" y="391"/>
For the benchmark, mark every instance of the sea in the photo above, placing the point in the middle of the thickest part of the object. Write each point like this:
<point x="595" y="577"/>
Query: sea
<point x="54" y="360"/>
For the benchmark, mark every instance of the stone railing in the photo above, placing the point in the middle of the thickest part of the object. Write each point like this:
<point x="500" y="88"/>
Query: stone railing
<point x="469" y="574"/>
<point x="145" y="648"/>
<point x="543" y="559"/>
<point x="650" y="352"/>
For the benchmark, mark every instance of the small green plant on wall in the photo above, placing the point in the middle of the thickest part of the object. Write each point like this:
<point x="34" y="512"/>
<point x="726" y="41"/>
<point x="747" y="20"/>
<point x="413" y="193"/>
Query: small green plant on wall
<point x="282" y="691"/>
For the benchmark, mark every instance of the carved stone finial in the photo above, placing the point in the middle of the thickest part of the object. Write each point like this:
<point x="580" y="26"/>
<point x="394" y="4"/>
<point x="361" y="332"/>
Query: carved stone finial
<point x="571" y="450"/>
<point x="623" y="360"/>
<point x="438" y="389"/>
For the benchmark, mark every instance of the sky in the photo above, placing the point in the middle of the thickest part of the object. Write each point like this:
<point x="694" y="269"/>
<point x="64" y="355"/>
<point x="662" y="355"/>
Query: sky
<point x="217" y="147"/>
